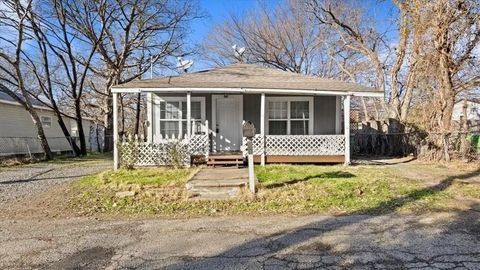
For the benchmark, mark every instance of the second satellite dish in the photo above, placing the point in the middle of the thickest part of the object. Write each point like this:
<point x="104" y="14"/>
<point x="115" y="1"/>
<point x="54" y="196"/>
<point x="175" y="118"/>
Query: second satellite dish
<point x="184" y="64"/>
<point x="238" y="52"/>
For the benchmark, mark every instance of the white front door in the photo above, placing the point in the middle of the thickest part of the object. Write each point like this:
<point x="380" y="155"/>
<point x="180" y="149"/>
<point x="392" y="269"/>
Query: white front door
<point x="228" y="122"/>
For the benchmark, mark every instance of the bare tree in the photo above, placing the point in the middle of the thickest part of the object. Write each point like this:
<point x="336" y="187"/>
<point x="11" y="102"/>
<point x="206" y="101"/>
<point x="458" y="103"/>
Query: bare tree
<point x="455" y="32"/>
<point x="354" y="33"/>
<point x="289" y="44"/>
<point x="15" y="17"/>
<point x="64" y="43"/>
<point x="136" y="32"/>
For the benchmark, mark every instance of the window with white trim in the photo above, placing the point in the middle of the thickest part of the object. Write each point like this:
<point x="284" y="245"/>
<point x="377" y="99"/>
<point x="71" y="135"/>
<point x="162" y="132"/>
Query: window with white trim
<point x="171" y="114"/>
<point x="289" y="115"/>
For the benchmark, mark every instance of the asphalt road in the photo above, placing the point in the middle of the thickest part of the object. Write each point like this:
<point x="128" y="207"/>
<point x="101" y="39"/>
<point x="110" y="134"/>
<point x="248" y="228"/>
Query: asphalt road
<point x="431" y="241"/>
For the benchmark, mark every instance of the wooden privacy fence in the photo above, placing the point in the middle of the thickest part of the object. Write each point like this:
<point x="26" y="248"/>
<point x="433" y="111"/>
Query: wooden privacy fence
<point x="376" y="144"/>
<point x="164" y="151"/>
<point x="297" y="145"/>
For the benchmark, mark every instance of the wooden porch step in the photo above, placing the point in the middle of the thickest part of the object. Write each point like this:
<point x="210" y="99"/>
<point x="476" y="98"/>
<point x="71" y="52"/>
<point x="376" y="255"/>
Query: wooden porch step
<point x="225" y="160"/>
<point x="225" y="156"/>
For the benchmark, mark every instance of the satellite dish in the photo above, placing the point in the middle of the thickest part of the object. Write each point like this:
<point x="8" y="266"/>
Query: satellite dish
<point x="239" y="51"/>
<point x="184" y="64"/>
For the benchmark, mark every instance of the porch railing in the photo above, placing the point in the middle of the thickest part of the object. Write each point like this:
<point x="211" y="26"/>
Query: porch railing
<point x="297" y="145"/>
<point x="135" y="151"/>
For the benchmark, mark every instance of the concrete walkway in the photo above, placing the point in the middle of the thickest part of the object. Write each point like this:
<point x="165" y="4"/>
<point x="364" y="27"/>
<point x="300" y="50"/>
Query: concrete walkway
<point x="218" y="183"/>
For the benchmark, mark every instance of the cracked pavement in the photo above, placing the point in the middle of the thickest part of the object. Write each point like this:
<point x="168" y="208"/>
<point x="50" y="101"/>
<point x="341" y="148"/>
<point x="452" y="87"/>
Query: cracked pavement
<point x="443" y="240"/>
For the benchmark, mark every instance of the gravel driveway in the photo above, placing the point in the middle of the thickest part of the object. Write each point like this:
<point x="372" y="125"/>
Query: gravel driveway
<point x="20" y="182"/>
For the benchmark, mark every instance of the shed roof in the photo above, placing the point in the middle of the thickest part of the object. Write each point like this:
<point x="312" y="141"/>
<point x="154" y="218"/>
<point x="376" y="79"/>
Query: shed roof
<point x="6" y="98"/>
<point x="247" y="76"/>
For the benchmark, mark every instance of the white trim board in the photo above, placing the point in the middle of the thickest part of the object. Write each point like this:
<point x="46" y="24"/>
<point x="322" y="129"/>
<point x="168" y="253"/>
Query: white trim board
<point x="251" y="91"/>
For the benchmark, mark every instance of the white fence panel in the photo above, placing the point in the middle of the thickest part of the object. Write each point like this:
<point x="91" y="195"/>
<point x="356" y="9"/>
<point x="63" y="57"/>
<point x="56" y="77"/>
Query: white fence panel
<point x="298" y="145"/>
<point x="159" y="153"/>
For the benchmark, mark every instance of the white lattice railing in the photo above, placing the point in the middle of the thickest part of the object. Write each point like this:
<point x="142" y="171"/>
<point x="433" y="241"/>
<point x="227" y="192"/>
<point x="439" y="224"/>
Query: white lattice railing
<point x="257" y="143"/>
<point x="159" y="153"/>
<point x="297" y="145"/>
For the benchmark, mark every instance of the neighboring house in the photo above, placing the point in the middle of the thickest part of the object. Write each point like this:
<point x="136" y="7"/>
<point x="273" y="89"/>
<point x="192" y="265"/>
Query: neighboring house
<point x="18" y="134"/>
<point x="298" y="118"/>
<point x="473" y="114"/>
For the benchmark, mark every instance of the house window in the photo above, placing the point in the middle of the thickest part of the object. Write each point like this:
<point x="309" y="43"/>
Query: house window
<point x="46" y="121"/>
<point x="299" y="117"/>
<point x="277" y="117"/>
<point x="172" y="115"/>
<point x="290" y="115"/>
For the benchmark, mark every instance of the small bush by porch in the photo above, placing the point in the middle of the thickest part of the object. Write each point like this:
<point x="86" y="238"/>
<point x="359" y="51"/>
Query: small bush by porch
<point x="282" y="189"/>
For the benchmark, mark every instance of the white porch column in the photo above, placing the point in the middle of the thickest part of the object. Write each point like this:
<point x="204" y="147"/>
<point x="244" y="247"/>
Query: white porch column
<point x="149" y="118"/>
<point x="115" y="131"/>
<point x="262" y="126"/>
<point x="338" y="114"/>
<point x="346" y="123"/>
<point x="189" y="114"/>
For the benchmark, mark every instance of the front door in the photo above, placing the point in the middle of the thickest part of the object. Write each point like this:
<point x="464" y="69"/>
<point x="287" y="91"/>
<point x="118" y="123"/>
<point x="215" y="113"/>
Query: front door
<point x="229" y="117"/>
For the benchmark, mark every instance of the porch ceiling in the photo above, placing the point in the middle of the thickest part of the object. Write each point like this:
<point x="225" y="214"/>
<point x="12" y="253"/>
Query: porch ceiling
<point x="248" y="78"/>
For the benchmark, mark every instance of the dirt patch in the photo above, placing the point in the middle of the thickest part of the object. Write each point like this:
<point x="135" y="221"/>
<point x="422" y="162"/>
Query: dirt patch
<point x="49" y="204"/>
<point x="434" y="173"/>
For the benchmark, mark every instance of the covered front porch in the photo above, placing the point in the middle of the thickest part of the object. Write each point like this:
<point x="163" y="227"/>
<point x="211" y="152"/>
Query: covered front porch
<point x="283" y="136"/>
<point x="294" y="125"/>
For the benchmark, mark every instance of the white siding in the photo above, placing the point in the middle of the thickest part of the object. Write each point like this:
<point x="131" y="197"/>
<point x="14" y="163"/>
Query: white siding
<point x="15" y="122"/>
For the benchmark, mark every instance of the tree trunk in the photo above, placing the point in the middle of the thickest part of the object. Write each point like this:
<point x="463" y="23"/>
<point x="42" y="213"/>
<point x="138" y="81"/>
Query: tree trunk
<point x="40" y="133"/>
<point x="122" y="108"/>
<point x="67" y="135"/>
<point x="99" y="149"/>
<point x="81" y="133"/>
<point x="137" y="113"/>
<point x="464" y="144"/>
<point x="365" y="110"/>
<point x="108" y="122"/>
<point x="402" y="47"/>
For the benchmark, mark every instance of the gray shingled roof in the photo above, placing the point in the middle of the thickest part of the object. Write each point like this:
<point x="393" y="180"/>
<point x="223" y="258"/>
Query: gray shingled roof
<point x="247" y="76"/>
<point x="5" y="97"/>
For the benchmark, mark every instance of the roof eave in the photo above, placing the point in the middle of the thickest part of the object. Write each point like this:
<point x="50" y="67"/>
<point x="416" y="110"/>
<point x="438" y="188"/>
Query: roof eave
<point x="250" y="91"/>
<point x="18" y="104"/>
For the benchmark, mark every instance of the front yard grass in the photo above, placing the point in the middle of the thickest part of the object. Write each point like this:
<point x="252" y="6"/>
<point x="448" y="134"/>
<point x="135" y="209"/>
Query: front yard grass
<point x="281" y="189"/>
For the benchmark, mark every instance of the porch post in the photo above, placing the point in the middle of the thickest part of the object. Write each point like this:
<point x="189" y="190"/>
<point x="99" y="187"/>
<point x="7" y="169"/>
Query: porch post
<point x="338" y="114"/>
<point x="149" y="118"/>
<point x="115" y="131"/>
<point x="189" y="114"/>
<point x="262" y="127"/>
<point x="346" y="122"/>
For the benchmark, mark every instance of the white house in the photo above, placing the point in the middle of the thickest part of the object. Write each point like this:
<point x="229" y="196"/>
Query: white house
<point x="18" y="134"/>
<point x="298" y="118"/>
